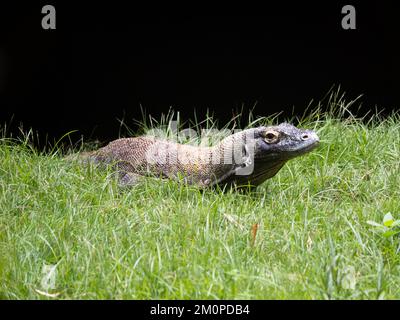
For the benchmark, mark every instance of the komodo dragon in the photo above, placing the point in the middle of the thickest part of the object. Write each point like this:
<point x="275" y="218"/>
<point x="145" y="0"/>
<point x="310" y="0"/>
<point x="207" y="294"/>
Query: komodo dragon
<point x="244" y="159"/>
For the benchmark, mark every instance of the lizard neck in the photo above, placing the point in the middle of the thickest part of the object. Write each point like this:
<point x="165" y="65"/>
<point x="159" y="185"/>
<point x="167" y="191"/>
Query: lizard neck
<point x="236" y="148"/>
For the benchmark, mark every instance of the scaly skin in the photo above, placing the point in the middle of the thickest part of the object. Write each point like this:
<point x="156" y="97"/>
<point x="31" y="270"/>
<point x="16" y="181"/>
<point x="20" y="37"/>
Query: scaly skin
<point x="242" y="159"/>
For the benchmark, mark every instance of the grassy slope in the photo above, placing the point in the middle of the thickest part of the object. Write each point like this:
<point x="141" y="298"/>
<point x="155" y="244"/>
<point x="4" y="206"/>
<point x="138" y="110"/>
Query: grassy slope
<point x="164" y="240"/>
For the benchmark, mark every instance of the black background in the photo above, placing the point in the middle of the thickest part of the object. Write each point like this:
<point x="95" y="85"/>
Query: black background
<point x="105" y="61"/>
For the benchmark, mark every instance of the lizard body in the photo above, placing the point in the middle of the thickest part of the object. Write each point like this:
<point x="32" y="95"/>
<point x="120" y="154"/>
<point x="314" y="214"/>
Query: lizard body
<point x="245" y="158"/>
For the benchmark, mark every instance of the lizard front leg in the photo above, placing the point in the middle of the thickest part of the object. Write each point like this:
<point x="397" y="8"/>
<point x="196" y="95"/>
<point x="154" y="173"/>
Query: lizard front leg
<point x="129" y="179"/>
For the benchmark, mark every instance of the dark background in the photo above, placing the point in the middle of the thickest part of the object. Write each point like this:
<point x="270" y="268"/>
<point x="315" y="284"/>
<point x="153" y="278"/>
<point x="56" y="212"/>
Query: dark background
<point x="105" y="61"/>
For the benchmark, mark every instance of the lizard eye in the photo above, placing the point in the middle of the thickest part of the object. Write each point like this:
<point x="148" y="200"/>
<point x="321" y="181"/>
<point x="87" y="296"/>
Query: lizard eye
<point x="271" y="136"/>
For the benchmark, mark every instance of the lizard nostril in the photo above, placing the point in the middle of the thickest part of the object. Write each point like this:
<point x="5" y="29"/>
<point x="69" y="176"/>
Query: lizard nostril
<point x="305" y="136"/>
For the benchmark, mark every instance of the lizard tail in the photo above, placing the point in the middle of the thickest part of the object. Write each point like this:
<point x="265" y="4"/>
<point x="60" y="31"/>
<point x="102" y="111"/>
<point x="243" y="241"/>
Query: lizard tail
<point x="82" y="157"/>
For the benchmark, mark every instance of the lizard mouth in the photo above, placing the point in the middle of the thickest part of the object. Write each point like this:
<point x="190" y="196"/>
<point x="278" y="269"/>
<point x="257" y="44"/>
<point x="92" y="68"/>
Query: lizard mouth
<point x="290" y="152"/>
<point x="309" y="141"/>
<point x="304" y="148"/>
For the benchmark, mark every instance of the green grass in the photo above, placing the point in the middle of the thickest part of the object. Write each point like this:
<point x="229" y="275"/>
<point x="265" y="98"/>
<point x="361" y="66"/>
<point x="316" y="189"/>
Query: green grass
<point x="163" y="240"/>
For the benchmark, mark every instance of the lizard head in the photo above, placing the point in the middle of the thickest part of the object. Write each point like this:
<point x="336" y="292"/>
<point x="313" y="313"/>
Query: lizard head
<point x="284" y="141"/>
<point x="273" y="147"/>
